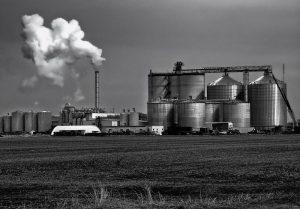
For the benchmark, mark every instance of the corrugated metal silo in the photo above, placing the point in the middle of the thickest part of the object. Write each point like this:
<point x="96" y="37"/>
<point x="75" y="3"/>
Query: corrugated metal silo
<point x="1" y="125"/>
<point x="225" y="87"/>
<point x="268" y="108"/>
<point x="157" y="87"/>
<point x="30" y="122"/>
<point x="191" y="114"/>
<point x="187" y="86"/>
<point x="7" y="124"/>
<point x="160" y="114"/>
<point x="134" y="119"/>
<point x="44" y="121"/>
<point x="17" y="121"/>
<point x="213" y="111"/>
<point x="173" y="87"/>
<point x="238" y="113"/>
<point x="192" y="86"/>
<point x="124" y="118"/>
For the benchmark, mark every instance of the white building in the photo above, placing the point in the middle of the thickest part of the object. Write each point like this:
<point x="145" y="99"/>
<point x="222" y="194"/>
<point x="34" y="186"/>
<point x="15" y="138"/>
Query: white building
<point x="82" y="130"/>
<point x="103" y="115"/>
<point x="158" y="130"/>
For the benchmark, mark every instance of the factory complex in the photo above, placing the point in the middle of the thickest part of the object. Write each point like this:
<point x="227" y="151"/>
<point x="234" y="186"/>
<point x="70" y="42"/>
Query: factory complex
<point x="71" y="119"/>
<point x="177" y="99"/>
<point x="178" y="102"/>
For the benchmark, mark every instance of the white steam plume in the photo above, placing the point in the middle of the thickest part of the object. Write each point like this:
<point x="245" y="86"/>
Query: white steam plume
<point x="29" y="82"/>
<point x="55" y="49"/>
<point x="78" y="96"/>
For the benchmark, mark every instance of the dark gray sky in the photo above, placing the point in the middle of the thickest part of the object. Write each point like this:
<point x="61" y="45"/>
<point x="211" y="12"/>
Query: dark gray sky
<point x="137" y="35"/>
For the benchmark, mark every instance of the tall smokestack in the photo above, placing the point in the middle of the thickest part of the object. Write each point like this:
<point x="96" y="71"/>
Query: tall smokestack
<point x="97" y="89"/>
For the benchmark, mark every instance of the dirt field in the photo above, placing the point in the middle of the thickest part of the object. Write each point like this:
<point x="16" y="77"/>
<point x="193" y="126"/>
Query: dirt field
<point x="46" y="171"/>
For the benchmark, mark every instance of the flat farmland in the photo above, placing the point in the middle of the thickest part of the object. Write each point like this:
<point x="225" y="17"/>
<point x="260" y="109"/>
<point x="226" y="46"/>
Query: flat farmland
<point x="150" y="172"/>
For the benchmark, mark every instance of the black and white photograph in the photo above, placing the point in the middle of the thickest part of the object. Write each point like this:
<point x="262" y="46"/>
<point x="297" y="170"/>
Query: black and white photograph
<point x="149" y="104"/>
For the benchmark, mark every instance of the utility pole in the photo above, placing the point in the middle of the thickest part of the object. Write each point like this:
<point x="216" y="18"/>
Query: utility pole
<point x="283" y="72"/>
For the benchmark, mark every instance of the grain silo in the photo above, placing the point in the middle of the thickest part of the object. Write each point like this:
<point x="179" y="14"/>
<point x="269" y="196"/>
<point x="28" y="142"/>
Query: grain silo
<point x="30" y="122"/>
<point x="225" y="88"/>
<point x="17" y="122"/>
<point x="176" y="85"/>
<point x="157" y="86"/>
<point x="161" y="114"/>
<point x="187" y="86"/>
<point x="238" y="113"/>
<point x="124" y="118"/>
<point x="44" y="121"/>
<point x="213" y="111"/>
<point x="268" y="108"/>
<point x="7" y="124"/>
<point x="191" y="114"/>
<point x="133" y="119"/>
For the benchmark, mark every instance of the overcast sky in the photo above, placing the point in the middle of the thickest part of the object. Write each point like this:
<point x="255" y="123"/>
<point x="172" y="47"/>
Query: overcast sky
<point x="138" y="35"/>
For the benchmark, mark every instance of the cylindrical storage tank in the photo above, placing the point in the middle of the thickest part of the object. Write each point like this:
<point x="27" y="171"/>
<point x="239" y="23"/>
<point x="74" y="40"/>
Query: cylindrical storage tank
<point x="1" y="125"/>
<point x="187" y="86"/>
<point x="225" y="88"/>
<point x="173" y="86"/>
<point x="44" y="121"/>
<point x="134" y="119"/>
<point x="17" y="121"/>
<point x="268" y="108"/>
<point x="157" y="87"/>
<point x="65" y="116"/>
<point x="7" y="124"/>
<point x="191" y="114"/>
<point x="213" y="112"/>
<point x="238" y="113"/>
<point x="30" y="122"/>
<point x="160" y="114"/>
<point x="124" y="118"/>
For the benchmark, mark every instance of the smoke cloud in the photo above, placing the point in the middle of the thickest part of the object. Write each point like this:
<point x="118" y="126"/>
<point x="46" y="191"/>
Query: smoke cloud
<point x="54" y="50"/>
<point x="29" y="82"/>
<point x="78" y="96"/>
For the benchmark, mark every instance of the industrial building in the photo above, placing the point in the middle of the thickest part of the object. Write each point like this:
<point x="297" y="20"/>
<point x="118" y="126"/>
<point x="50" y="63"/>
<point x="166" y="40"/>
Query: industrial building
<point x="72" y="119"/>
<point x="177" y="99"/>
<point x="106" y="121"/>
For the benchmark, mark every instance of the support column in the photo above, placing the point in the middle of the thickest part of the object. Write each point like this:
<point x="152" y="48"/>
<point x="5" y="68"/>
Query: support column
<point x="245" y="83"/>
